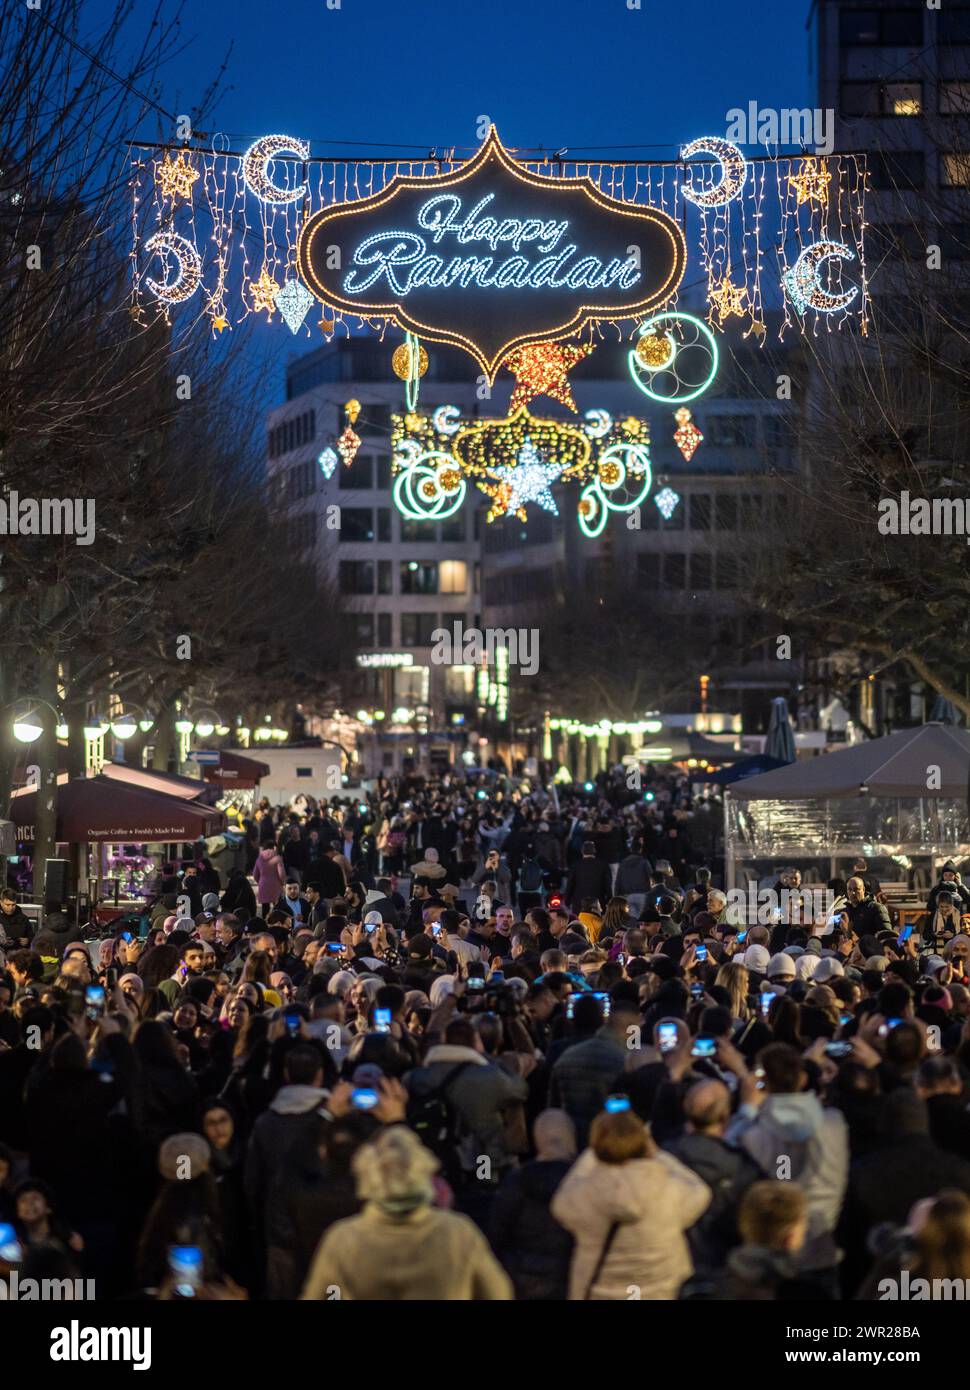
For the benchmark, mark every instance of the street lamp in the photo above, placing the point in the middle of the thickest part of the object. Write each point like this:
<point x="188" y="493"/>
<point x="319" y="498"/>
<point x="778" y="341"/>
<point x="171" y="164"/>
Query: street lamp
<point x="27" y="728"/>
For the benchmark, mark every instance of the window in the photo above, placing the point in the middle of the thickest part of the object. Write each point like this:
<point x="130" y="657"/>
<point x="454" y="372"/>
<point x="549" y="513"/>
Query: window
<point x="955" y="170"/>
<point x="359" y="475"/>
<point x="648" y="569"/>
<point x="453" y="528"/>
<point x="953" y="239"/>
<point x="301" y="480"/>
<point x="304" y="771"/>
<point x="303" y="530"/>
<point x="777" y="431"/>
<point x="730" y="431"/>
<point x="385" y="578"/>
<point x="419" y="577"/>
<point x="900" y="28"/>
<point x="416" y="629"/>
<point x="356" y="524"/>
<point x="899" y="170"/>
<point x="954" y="98"/>
<point x="375" y="419"/>
<point x="674" y="571"/>
<point x="953" y="25"/>
<point x="701" y="570"/>
<point x="292" y="433"/>
<point x="726" y="511"/>
<point x="700" y="511"/>
<point x="383" y="523"/>
<point x="412" y="530"/>
<point x="726" y="569"/>
<point x="383" y="474"/>
<point x="356" y="576"/>
<point x="364" y="629"/>
<point x="901" y="239"/>
<point x="881" y="98"/>
<point x="453" y="577"/>
<point x="384" y="638"/>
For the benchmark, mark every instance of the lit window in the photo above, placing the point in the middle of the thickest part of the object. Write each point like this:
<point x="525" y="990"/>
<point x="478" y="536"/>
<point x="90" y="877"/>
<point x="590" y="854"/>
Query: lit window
<point x="452" y="577"/>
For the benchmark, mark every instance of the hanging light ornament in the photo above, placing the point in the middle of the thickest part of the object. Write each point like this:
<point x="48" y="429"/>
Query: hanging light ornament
<point x="811" y="183"/>
<point x="293" y="302"/>
<point x="655" y="350"/>
<point x="686" y="436"/>
<point x="256" y="168"/>
<point x="175" y="177"/>
<point x="402" y="359"/>
<point x="186" y="282"/>
<point x="540" y="370"/>
<point x="352" y="410"/>
<point x="264" y="292"/>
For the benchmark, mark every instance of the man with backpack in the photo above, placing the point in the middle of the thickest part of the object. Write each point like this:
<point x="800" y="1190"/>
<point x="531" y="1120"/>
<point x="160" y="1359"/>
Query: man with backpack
<point x="457" y="1103"/>
<point x="531" y="881"/>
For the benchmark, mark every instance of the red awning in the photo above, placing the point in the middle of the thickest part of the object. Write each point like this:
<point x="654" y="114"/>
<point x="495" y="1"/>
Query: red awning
<point x="235" y="770"/>
<point x="102" y="808"/>
<point x="149" y="780"/>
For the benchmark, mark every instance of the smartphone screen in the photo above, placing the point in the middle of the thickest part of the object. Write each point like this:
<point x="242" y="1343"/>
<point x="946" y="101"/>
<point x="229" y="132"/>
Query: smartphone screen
<point x="335" y="947"/>
<point x="615" y="1105"/>
<point x="604" y="1002"/>
<point x="363" y="1098"/>
<point x="94" y="1001"/>
<point x="700" y="953"/>
<point x="185" y="1264"/>
<point x="293" y="1020"/>
<point x="704" y="1047"/>
<point x="742" y="934"/>
<point x="667" y="1036"/>
<point x="11" y="1251"/>
<point x="766" y="1002"/>
<point x="382" y="1020"/>
<point x="904" y="935"/>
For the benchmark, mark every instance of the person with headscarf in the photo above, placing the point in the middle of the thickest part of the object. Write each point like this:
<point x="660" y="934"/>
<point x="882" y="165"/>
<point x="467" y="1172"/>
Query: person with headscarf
<point x="400" y="1246"/>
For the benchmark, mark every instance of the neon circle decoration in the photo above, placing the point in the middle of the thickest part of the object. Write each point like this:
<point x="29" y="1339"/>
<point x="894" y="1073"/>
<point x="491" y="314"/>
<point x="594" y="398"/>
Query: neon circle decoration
<point x="690" y="370"/>
<point x="430" y="486"/>
<point x="622" y="469"/>
<point x="734" y="171"/>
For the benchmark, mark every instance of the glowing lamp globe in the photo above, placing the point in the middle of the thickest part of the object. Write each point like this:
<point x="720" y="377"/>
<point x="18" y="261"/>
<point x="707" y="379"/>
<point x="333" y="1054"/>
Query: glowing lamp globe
<point x="123" y="727"/>
<point x="26" y="731"/>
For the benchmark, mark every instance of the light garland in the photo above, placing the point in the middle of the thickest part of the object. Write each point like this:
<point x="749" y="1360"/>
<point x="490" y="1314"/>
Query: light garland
<point x="328" y="462"/>
<point x="293" y="301"/>
<point x="352" y="410"/>
<point x="402" y="358"/>
<point x="540" y="370"/>
<point x="348" y="444"/>
<point x="186" y="257"/>
<point x="726" y="299"/>
<point x="598" y="423"/>
<point x="734" y="171"/>
<point x="447" y="420"/>
<point x="686" y="436"/>
<point x="804" y="286"/>
<point x="498" y="442"/>
<point x="255" y="168"/>
<point x="530" y="480"/>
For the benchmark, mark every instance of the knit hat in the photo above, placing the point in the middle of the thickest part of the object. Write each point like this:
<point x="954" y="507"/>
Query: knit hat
<point x="828" y="968"/>
<point x="932" y="964"/>
<point x="756" y="958"/>
<point x="807" y="967"/>
<point x="373" y="919"/>
<point x="782" y="966"/>
<point x="875" y="963"/>
<point x="210" y="902"/>
<point x="183" y="1156"/>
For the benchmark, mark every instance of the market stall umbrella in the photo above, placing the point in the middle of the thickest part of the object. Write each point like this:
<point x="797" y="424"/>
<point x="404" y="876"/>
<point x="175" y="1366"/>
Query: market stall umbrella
<point x="147" y="779"/>
<point x="747" y="767"/>
<point x="897" y="765"/>
<point x="234" y="770"/>
<point x="101" y="808"/>
<point x="780" y="743"/>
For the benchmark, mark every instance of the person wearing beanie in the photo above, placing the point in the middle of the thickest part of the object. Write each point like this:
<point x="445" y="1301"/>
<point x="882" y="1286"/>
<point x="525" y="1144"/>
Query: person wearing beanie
<point x="755" y="959"/>
<point x="781" y="969"/>
<point x="828" y="969"/>
<point x="949" y="882"/>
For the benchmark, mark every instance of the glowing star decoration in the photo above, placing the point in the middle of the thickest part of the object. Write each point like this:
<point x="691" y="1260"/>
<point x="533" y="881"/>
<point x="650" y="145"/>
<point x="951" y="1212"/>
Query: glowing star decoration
<point x="804" y="286"/>
<point x="347" y="445"/>
<point x="328" y="462"/>
<point x="686" y="436"/>
<point x="176" y="177"/>
<point x="293" y="302"/>
<point x="264" y="292"/>
<point x="529" y="481"/>
<point x="811" y="183"/>
<point x="256" y="168"/>
<point x="734" y="171"/>
<point x="220" y="323"/>
<point x="352" y="410"/>
<point x="447" y="419"/>
<point x="540" y="370"/>
<point x="598" y="423"/>
<point x="726" y="298"/>
<point x="667" y="502"/>
<point x="171" y="245"/>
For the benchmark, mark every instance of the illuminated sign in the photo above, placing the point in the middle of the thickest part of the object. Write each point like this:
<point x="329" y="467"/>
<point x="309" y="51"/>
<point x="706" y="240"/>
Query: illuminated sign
<point x="384" y="659"/>
<point x="492" y="256"/>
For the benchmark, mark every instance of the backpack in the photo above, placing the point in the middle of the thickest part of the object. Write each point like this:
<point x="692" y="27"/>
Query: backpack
<point x="530" y="877"/>
<point x="436" y="1122"/>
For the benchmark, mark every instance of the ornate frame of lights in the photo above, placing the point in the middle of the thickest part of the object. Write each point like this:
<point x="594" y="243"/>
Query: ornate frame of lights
<point x="229" y="225"/>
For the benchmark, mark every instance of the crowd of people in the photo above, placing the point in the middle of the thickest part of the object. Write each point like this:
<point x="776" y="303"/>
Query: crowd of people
<point x="483" y="1040"/>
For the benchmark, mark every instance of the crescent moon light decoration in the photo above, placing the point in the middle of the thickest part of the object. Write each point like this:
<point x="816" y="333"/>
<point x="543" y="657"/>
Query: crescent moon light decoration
<point x="255" y="168"/>
<point x="734" y="171"/>
<point x="186" y="282"/>
<point x="599" y="423"/>
<point x="804" y="286"/>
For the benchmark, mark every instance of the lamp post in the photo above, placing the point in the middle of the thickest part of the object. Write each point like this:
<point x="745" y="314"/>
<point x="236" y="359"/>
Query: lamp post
<point x="34" y="727"/>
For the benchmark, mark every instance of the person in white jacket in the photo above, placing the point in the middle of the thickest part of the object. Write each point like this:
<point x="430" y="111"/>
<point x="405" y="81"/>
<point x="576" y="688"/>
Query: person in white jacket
<point x="628" y="1205"/>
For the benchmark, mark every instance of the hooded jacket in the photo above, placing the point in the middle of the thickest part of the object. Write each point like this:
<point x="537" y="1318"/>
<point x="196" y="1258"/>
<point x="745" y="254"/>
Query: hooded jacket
<point x="292" y="1113"/>
<point x="815" y="1142"/>
<point x="654" y="1200"/>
